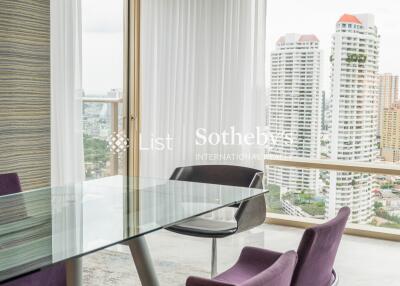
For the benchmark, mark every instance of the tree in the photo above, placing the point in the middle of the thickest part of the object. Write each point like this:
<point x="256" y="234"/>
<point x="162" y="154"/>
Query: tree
<point x="377" y="207"/>
<point x="96" y="155"/>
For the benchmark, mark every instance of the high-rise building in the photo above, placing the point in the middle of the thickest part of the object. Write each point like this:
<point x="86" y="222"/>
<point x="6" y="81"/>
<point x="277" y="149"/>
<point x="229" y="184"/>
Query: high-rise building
<point x="388" y="94"/>
<point x="354" y="90"/>
<point x="295" y="108"/>
<point x="390" y="139"/>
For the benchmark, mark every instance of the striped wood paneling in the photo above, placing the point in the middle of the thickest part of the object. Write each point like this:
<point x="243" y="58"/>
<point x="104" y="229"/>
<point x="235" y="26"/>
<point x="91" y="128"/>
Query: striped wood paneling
<point x="25" y="90"/>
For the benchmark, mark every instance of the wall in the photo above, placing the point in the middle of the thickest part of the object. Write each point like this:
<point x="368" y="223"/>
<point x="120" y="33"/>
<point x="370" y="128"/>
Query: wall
<point x="25" y="90"/>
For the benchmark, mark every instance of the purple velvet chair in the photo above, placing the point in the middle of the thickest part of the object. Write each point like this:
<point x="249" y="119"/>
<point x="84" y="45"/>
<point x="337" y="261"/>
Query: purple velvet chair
<point x="317" y="252"/>
<point x="316" y="255"/>
<point x="255" y="267"/>
<point x="50" y="276"/>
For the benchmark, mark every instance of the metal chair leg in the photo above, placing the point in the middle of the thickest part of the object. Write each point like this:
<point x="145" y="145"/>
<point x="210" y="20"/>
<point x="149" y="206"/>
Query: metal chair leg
<point x="214" y="261"/>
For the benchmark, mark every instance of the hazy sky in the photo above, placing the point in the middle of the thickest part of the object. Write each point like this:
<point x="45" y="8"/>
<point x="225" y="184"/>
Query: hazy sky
<point x="319" y="17"/>
<point x="103" y="19"/>
<point x="102" y="45"/>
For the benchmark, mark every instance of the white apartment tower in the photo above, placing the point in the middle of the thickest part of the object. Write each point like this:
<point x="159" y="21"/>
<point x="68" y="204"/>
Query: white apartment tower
<point x="295" y="108"/>
<point x="354" y="91"/>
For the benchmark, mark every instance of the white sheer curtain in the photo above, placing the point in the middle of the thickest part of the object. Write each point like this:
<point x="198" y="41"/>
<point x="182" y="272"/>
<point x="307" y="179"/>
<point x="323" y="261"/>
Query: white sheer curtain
<point x="66" y="93"/>
<point x="203" y="65"/>
<point x="67" y="166"/>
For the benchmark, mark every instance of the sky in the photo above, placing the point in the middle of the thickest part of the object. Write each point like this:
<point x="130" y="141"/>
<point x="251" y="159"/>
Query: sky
<point x="102" y="45"/>
<point x="319" y="17"/>
<point x="102" y="28"/>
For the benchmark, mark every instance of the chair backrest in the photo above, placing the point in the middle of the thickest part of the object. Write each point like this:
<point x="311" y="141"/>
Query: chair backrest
<point x="317" y="251"/>
<point x="54" y="275"/>
<point x="216" y="174"/>
<point x="278" y="274"/>
<point x="9" y="184"/>
<point x="252" y="213"/>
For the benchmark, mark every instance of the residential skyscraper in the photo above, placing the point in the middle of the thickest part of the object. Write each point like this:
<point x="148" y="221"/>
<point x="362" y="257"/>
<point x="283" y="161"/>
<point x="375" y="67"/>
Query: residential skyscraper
<point x="295" y="108"/>
<point x="390" y="139"/>
<point x="388" y="94"/>
<point x="354" y="90"/>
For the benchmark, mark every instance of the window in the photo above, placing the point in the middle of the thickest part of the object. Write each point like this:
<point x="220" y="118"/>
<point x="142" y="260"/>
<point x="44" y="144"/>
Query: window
<point x="353" y="123"/>
<point x="102" y="56"/>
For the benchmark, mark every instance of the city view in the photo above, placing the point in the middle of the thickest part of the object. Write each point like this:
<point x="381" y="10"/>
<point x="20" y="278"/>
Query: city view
<point x="199" y="142"/>
<point x="350" y="114"/>
<point x="326" y="87"/>
<point x="102" y="79"/>
<point x="98" y="122"/>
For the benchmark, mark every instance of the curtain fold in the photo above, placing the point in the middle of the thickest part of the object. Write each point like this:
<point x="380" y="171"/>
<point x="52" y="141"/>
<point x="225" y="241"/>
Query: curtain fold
<point x="202" y="66"/>
<point x="67" y="165"/>
<point x="66" y="93"/>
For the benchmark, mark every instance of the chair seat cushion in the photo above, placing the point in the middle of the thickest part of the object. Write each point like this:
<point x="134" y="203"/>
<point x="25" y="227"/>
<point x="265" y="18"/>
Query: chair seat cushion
<point x="252" y="261"/>
<point x="202" y="227"/>
<point x="255" y="267"/>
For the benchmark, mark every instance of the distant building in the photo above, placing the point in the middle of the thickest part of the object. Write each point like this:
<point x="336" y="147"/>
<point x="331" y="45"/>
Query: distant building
<point x="114" y="93"/>
<point x="293" y="210"/>
<point x="295" y="107"/>
<point x="354" y="90"/>
<point x="388" y="94"/>
<point x="390" y="134"/>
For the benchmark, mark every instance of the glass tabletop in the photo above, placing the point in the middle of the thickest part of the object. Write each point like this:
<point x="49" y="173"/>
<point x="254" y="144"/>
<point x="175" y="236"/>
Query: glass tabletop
<point x="42" y="227"/>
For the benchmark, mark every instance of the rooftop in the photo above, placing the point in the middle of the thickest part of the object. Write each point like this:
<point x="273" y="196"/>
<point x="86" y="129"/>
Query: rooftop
<point x="291" y="38"/>
<point x="308" y="38"/>
<point x="347" y="18"/>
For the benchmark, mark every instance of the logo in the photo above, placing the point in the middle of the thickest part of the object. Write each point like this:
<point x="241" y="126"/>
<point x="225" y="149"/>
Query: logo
<point x="117" y="142"/>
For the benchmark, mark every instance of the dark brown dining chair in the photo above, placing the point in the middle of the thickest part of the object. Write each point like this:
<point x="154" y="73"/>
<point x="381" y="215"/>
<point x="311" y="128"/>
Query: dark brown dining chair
<point x="248" y="215"/>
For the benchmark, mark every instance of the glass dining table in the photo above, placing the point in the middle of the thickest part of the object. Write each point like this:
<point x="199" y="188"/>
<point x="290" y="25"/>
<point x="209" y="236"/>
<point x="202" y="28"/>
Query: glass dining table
<point x="43" y="227"/>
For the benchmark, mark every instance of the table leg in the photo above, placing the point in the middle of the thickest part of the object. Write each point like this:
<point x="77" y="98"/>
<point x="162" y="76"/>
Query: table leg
<point x="74" y="272"/>
<point x="144" y="264"/>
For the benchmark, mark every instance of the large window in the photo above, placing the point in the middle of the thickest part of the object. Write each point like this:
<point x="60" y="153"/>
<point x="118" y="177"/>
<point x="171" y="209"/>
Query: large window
<point x="102" y="67"/>
<point x="333" y="92"/>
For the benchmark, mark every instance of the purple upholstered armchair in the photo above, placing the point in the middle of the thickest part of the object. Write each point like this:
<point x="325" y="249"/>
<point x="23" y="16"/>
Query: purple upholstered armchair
<point x="316" y="255"/>
<point x="255" y="267"/>
<point x="317" y="252"/>
<point x="51" y="276"/>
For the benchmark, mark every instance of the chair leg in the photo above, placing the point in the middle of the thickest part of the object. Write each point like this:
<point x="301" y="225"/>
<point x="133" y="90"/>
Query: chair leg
<point x="214" y="261"/>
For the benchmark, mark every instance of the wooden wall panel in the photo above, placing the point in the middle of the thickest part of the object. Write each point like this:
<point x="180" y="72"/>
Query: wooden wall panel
<point x="25" y="90"/>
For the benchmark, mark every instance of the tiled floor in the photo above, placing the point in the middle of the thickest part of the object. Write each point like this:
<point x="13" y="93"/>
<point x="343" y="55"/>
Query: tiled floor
<point x="360" y="261"/>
